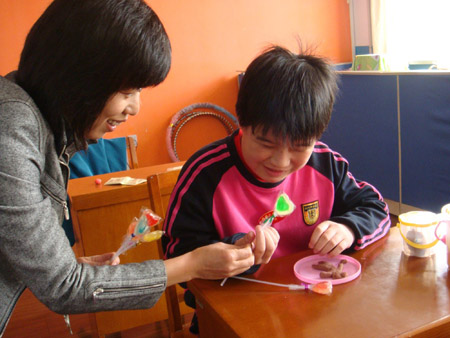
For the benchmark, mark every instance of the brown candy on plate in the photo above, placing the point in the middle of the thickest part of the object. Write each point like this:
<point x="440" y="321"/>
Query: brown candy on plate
<point x="328" y="270"/>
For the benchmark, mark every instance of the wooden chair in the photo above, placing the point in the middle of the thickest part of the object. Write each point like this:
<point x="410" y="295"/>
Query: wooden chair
<point x="131" y="151"/>
<point x="160" y="187"/>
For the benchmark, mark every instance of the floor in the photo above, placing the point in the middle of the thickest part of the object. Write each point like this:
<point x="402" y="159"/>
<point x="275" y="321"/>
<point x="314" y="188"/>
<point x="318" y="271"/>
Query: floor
<point x="32" y="319"/>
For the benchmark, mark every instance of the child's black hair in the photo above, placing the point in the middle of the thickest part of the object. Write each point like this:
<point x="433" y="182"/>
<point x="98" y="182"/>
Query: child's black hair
<point x="292" y="95"/>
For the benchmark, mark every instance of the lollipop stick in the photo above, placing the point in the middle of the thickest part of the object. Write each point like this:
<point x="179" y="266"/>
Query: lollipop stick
<point x="268" y="222"/>
<point x="289" y="286"/>
<point x="323" y="288"/>
<point x="124" y="247"/>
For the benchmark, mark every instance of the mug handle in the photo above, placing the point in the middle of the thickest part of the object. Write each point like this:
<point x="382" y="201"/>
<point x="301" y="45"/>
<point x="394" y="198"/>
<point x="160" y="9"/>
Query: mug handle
<point x="443" y="219"/>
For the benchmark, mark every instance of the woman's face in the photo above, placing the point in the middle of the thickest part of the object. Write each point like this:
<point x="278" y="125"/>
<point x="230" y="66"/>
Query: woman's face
<point x="115" y="112"/>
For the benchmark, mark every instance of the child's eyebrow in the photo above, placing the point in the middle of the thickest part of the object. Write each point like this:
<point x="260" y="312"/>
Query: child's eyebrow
<point x="263" y="139"/>
<point x="302" y="145"/>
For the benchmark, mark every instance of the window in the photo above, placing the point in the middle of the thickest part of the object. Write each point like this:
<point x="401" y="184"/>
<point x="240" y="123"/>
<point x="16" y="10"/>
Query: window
<point x="406" y="31"/>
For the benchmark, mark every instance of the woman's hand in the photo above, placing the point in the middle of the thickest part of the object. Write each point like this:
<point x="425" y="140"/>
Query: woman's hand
<point x="104" y="259"/>
<point x="331" y="238"/>
<point x="214" y="261"/>
<point x="264" y="242"/>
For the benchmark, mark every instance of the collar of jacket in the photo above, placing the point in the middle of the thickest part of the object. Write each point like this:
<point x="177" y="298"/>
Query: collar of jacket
<point x="64" y="146"/>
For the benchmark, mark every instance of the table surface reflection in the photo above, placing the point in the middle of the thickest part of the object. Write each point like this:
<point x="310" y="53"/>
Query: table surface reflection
<point x="395" y="295"/>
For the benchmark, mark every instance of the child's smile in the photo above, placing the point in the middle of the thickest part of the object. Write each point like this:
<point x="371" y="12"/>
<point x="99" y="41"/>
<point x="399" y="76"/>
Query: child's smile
<point x="270" y="159"/>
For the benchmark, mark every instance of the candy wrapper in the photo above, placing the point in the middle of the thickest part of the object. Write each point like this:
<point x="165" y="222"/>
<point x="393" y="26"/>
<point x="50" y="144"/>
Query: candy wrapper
<point x="283" y="207"/>
<point x="125" y="181"/>
<point x="139" y="231"/>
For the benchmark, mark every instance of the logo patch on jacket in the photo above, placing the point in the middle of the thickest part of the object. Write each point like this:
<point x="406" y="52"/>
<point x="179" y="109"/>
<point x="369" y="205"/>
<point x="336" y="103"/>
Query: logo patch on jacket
<point x="310" y="212"/>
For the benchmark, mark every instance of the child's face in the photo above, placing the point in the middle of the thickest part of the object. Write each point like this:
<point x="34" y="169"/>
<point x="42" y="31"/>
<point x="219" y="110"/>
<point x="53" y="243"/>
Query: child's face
<point x="115" y="112"/>
<point x="270" y="158"/>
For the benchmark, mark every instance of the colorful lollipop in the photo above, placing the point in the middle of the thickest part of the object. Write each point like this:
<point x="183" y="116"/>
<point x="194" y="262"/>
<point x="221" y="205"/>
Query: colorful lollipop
<point x="139" y="231"/>
<point x="283" y="207"/>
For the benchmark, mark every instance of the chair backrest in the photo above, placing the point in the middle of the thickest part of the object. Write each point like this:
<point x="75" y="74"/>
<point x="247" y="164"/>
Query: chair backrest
<point x="131" y="151"/>
<point x="160" y="187"/>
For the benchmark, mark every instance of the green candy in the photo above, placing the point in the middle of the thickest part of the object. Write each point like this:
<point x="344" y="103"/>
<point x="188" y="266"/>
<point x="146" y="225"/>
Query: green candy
<point x="284" y="205"/>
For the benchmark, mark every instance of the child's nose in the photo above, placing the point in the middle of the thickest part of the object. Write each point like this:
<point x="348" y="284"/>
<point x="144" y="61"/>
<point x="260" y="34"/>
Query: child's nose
<point x="281" y="158"/>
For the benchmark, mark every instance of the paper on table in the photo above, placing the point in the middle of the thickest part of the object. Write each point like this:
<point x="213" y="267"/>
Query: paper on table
<point x="125" y="181"/>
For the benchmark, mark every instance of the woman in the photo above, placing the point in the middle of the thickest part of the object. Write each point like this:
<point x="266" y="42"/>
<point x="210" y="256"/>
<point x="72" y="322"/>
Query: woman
<point x="80" y="75"/>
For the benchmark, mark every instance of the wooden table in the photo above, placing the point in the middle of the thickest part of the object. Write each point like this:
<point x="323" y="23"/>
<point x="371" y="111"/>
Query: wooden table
<point x="395" y="295"/>
<point x="101" y="215"/>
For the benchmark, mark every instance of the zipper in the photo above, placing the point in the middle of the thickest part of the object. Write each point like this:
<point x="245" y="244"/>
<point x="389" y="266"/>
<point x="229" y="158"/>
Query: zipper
<point x="66" y="179"/>
<point x="66" y="211"/>
<point x="101" y="291"/>
<point x="65" y="164"/>
<point x="59" y="200"/>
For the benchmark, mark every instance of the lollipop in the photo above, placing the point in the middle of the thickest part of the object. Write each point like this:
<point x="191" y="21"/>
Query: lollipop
<point x="323" y="288"/>
<point x="283" y="207"/>
<point x="139" y="231"/>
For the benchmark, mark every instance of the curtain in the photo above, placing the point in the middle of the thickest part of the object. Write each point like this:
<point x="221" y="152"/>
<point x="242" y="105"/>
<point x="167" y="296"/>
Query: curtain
<point x="410" y="30"/>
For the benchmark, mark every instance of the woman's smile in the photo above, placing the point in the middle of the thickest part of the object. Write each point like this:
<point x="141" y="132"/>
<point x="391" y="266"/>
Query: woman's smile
<point x="113" y="124"/>
<point x="115" y="112"/>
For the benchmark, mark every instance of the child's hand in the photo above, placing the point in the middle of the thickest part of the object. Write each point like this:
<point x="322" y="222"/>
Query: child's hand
<point x="331" y="238"/>
<point x="264" y="241"/>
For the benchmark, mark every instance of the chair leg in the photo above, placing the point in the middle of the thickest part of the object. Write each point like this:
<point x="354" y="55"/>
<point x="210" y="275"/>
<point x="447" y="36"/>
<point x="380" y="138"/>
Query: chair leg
<point x="175" y="320"/>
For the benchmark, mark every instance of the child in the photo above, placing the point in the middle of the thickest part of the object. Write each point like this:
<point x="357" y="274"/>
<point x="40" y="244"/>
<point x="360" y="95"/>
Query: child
<point x="230" y="186"/>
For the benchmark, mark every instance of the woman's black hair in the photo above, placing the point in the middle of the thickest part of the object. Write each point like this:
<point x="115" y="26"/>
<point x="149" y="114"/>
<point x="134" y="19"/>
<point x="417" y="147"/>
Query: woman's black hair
<point x="80" y="52"/>
<point x="291" y="95"/>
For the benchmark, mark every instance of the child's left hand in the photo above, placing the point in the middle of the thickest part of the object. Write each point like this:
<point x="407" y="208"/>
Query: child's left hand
<point x="331" y="238"/>
<point x="264" y="241"/>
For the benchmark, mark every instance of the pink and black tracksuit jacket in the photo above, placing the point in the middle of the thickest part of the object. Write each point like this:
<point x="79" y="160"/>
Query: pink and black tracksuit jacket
<point x="217" y="199"/>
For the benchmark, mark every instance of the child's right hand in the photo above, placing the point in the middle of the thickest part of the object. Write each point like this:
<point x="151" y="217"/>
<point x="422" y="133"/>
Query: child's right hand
<point x="331" y="238"/>
<point x="264" y="242"/>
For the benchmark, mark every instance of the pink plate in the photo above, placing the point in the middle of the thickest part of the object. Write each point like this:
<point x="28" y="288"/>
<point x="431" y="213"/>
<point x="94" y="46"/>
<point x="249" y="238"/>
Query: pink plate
<point x="305" y="272"/>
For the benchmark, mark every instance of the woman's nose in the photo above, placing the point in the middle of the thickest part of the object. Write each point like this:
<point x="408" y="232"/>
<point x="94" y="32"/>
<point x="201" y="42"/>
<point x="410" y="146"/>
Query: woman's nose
<point x="134" y="106"/>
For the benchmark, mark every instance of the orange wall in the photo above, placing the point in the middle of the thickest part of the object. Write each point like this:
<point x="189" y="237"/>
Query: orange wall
<point x="211" y="40"/>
